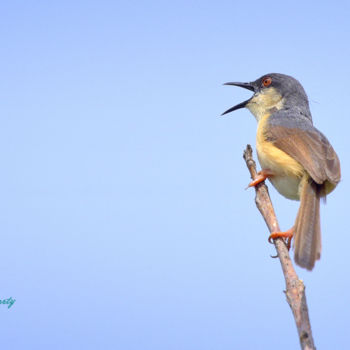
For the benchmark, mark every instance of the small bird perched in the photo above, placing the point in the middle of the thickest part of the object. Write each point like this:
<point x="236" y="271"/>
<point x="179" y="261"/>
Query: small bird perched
<point x="297" y="158"/>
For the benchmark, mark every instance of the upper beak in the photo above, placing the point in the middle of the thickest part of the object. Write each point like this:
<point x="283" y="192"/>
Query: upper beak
<point x="248" y="86"/>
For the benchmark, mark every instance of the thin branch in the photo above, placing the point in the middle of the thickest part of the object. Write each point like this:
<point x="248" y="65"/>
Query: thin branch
<point x="295" y="289"/>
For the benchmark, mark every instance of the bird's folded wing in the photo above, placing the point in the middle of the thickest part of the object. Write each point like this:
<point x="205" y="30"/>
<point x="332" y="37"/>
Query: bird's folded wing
<point x="310" y="148"/>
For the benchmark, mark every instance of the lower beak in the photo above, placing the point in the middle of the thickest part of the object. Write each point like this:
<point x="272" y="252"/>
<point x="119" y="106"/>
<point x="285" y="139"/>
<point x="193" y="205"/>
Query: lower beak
<point x="248" y="86"/>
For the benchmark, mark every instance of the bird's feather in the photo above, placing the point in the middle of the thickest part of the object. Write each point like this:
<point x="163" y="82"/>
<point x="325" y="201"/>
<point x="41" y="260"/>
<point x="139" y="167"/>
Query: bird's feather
<point x="297" y="137"/>
<point x="307" y="232"/>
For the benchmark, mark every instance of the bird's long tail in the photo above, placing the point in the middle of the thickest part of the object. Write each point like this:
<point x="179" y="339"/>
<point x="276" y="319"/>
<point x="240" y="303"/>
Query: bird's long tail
<point x="307" y="231"/>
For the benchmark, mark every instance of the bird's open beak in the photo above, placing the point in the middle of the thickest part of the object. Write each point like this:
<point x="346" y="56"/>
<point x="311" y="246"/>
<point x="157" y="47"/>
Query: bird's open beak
<point x="248" y="86"/>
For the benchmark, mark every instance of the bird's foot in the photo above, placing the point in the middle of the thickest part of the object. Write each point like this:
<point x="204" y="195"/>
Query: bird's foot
<point x="261" y="176"/>
<point x="287" y="235"/>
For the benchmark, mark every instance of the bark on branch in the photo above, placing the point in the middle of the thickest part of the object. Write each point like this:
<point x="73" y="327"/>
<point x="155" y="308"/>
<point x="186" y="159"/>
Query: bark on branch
<point x="295" y="289"/>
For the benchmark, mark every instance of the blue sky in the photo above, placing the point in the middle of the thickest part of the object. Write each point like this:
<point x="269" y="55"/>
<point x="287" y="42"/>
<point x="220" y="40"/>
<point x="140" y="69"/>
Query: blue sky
<point x="124" y="219"/>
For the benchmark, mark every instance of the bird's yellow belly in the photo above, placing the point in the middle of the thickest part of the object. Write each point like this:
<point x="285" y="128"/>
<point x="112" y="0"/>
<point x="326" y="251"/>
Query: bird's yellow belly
<point x="287" y="186"/>
<point x="287" y="171"/>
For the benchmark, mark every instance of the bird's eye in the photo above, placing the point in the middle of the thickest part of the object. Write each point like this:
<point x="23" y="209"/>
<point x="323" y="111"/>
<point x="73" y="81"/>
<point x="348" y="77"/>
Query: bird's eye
<point x="267" y="81"/>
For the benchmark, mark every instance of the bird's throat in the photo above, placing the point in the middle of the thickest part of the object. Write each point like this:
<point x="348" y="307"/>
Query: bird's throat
<point x="265" y="103"/>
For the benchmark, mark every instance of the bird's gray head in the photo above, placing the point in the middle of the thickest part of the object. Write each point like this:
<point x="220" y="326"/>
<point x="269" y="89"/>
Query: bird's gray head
<point x="273" y="92"/>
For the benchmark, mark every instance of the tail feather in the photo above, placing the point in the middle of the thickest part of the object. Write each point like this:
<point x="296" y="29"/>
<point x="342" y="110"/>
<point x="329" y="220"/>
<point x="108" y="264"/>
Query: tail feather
<point x="307" y="242"/>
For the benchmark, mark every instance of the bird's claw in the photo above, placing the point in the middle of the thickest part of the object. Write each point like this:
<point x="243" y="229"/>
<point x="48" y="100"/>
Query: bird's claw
<point x="286" y="236"/>
<point x="261" y="176"/>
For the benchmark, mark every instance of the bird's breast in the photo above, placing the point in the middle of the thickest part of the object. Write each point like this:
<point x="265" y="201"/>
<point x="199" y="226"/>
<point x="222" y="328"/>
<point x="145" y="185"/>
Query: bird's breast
<point x="287" y="171"/>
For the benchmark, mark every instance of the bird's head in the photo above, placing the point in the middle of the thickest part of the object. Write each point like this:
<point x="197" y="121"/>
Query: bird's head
<point x="272" y="92"/>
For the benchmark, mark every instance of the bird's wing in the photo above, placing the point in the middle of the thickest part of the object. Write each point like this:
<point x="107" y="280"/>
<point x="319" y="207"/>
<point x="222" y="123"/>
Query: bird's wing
<point x="308" y="146"/>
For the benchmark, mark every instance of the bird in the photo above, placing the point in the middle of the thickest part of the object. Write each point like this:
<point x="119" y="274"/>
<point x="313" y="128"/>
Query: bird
<point x="296" y="157"/>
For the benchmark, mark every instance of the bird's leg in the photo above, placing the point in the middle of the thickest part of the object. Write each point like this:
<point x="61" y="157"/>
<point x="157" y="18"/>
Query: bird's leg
<point x="261" y="176"/>
<point x="288" y="235"/>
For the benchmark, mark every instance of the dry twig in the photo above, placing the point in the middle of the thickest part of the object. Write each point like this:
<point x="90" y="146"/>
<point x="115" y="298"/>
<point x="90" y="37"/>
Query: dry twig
<point x="295" y="289"/>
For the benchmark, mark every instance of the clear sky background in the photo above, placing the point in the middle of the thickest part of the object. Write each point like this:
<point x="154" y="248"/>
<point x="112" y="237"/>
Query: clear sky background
<point x="124" y="220"/>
